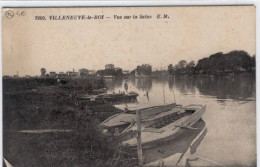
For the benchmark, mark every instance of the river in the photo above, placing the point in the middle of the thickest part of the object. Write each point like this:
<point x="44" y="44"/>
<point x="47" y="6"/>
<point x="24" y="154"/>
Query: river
<point x="230" y="115"/>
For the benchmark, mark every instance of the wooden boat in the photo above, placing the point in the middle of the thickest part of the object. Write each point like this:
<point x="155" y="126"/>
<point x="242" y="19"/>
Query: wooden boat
<point x="117" y="96"/>
<point x="175" y="152"/>
<point x="121" y="122"/>
<point x="97" y="91"/>
<point x="112" y="97"/>
<point x="172" y="124"/>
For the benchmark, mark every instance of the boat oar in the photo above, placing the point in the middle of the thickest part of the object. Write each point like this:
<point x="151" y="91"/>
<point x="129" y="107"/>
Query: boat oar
<point x="186" y="127"/>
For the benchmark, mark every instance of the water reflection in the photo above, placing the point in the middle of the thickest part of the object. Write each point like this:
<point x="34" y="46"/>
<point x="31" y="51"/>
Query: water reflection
<point x="112" y="84"/>
<point x="230" y="113"/>
<point x="144" y="84"/>
<point x="239" y="87"/>
<point x="184" y="84"/>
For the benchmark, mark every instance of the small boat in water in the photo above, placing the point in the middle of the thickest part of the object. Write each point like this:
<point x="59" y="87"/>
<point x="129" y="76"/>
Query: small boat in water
<point x="172" y="124"/>
<point x="97" y="91"/>
<point x="111" y="97"/>
<point x="117" y="96"/>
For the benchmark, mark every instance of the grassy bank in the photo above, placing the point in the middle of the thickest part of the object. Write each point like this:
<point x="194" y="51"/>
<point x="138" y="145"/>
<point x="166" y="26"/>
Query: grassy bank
<point x="31" y="104"/>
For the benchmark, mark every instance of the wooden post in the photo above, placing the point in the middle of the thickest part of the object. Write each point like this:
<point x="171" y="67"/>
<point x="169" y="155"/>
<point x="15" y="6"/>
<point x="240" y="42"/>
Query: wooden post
<point x="163" y="95"/>
<point x="139" y="139"/>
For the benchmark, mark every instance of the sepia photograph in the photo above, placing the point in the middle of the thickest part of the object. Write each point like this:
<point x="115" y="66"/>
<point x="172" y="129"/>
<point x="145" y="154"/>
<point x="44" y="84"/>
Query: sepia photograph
<point x="168" y="86"/>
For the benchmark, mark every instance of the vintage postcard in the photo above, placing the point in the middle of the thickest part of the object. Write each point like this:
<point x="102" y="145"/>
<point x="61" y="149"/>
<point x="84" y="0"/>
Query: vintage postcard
<point x="129" y="86"/>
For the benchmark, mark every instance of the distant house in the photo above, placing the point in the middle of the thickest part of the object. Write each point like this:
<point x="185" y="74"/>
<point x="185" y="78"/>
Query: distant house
<point x="109" y="66"/>
<point x="92" y="72"/>
<point x="73" y="74"/>
<point x="126" y="72"/>
<point x="62" y="75"/>
<point x="53" y="74"/>
<point x="118" y="68"/>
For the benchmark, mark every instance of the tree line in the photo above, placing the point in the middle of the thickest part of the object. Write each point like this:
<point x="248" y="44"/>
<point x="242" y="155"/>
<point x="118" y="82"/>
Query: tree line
<point x="144" y="69"/>
<point x="112" y="72"/>
<point x="216" y="64"/>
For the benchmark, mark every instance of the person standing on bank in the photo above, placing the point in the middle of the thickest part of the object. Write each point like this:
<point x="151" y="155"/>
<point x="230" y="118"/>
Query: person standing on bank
<point x="126" y="87"/>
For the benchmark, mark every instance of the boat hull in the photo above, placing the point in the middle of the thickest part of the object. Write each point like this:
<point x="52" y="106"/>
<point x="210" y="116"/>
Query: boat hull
<point x="102" y="99"/>
<point x="179" y="128"/>
<point x="129" y="116"/>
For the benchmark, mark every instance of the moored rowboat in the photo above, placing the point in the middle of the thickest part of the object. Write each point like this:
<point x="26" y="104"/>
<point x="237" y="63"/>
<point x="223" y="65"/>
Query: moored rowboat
<point x="112" y="97"/>
<point x="167" y="129"/>
<point x="121" y="122"/>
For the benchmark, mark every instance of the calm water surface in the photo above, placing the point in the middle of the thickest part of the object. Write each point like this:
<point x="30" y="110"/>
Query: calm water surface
<point x="230" y="116"/>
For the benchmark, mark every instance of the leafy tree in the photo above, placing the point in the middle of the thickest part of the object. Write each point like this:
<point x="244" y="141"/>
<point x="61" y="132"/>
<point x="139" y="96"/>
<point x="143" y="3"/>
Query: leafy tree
<point x="180" y="68"/>
<point x="114" y="72"/>
<point x="182" y="64"/>
<point x="144" y="69"/>
<point x="234" y="61"/>
<point x="100" y="72"/>
<point x="43" y="71"/>
<point x="119" y="71"/>
<point x="170" y="69"/>
<point x="191" y="64"/>
<point x="252" y="64"/>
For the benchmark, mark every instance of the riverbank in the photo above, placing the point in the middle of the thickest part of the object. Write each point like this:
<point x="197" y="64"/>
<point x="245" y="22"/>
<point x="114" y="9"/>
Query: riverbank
<point x="44" y="127"/>
<point x="228" y="100"/>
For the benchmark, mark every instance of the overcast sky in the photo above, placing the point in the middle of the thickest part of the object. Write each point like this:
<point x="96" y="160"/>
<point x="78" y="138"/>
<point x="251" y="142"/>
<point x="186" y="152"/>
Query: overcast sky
<point x="190" y="33"/>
